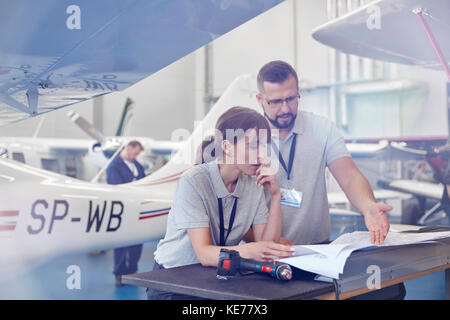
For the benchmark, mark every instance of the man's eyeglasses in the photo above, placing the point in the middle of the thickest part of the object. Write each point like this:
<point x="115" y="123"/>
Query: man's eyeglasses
<point x="290" y="101"/>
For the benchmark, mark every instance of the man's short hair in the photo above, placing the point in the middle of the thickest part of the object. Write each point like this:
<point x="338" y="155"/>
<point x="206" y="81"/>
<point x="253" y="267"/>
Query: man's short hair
<point x="134" y="143"/>
<point x="276" y="72"/>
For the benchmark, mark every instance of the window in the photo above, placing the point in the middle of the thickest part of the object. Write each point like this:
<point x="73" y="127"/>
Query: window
<point x="50" y="165"/>
<point x="71" y="167"/>
<point x="3" y="153"/>
<point x="18" y="156"/>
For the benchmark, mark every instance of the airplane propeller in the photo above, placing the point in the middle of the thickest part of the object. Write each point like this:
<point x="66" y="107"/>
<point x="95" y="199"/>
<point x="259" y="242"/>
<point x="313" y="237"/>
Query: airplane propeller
<point x="85" y="126"/>
<point x="107" y="145"/>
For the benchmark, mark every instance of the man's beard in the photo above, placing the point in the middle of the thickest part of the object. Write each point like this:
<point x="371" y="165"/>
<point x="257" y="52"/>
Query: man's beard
<point x="275" y="123"/>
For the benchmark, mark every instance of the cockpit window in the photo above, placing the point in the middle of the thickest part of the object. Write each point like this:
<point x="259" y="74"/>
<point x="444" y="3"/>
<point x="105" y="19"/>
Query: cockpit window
<point x="3" y="153"/>
<point x="18" y="156"/>
<point x="71" y="167"/>
<point x="50" y="164"/>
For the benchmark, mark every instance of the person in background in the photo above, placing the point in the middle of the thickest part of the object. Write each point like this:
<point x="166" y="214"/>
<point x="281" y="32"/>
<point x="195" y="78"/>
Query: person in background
<point x="125" y="168"/>
<point x="421" y="173"/>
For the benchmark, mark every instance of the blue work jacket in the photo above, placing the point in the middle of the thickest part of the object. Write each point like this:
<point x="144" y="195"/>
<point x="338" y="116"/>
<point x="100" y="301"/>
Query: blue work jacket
<point x="118" y="172"/>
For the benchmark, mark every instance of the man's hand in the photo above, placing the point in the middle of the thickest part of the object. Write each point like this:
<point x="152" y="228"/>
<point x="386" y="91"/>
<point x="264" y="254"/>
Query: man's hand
<point x="286" y="242"/>
<point x="377" y="222"/>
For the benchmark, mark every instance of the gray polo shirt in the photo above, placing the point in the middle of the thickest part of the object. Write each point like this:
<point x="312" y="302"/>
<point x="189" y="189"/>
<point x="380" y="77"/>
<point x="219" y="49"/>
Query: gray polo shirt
<point x="196" y="206"/>
<point x="318" y="144"/>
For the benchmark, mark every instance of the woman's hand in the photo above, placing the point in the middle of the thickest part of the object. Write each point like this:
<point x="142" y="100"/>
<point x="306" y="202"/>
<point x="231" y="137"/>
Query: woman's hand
<point x="265" y="251"/>
<point x="265" y="176"/>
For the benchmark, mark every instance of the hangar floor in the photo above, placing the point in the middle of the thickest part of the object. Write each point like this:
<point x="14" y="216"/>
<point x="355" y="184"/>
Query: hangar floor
<point x="48" y="281"/>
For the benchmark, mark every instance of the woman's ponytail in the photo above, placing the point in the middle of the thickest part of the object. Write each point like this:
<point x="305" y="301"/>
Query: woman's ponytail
<point x="206" y="151"/>
<point x="237" y="120"/>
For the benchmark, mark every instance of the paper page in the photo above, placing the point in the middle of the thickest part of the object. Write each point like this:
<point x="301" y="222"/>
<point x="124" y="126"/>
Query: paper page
<point x="392" y="239"/>
<point x="315" y="263"/>
<point x="327" y="250"/>
<point x="329" y="260"/>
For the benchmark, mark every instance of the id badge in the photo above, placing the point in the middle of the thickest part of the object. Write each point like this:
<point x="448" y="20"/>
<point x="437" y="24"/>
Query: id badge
<point x="291" y="197"/>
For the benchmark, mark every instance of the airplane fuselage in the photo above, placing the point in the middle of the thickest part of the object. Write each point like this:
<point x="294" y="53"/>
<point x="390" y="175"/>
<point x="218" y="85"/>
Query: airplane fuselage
<point x="44" y="214"/>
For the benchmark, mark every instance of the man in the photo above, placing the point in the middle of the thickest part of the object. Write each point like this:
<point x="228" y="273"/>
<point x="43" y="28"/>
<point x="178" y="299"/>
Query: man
<point x="125" y="168"/>
<point x="307" y="145"/>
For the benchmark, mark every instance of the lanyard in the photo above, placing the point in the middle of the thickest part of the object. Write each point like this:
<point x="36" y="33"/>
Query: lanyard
<point x="230" y="224"/>
<point x="291" y="156"/>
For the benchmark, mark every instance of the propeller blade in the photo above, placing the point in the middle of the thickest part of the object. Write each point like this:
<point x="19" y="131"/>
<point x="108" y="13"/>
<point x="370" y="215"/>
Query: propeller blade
<point x="87" y="127"/>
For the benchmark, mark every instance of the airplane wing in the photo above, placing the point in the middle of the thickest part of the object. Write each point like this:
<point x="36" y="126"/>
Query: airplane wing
<point x="165" y="147"/>
<point x="343" y="212"/>
<point x="68" y="146"/>
<point x="380" y="194"/>
<point x="54" y="53"/>
<point x="396" y="37"/>
<point x="366" y="150"/>
<point x="402" y="147"/>
<point x="384" y="150"/>
<point x="44" y="145"/>
<point x="417" y="188"/>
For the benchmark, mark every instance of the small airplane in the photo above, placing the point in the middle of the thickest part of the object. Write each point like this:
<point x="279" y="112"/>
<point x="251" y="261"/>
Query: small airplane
<point x="62" y="215"/>
<point x="155" y="154"/>
<point x="65" y="156"/>
<point x="55" y="53"/>
<point x="413" y="32"/>
<point x="83" y="158"/>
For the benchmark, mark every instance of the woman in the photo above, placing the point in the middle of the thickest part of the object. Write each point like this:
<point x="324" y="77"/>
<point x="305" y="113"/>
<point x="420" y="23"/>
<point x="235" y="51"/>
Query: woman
<point x="218" y="202"/>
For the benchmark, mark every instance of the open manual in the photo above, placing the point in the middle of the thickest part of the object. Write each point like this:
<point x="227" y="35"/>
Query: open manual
<point x="329" y="259"/>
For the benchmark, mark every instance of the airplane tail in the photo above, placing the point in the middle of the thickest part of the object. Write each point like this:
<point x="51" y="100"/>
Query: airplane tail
<point x="241" y="92"/>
